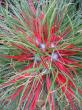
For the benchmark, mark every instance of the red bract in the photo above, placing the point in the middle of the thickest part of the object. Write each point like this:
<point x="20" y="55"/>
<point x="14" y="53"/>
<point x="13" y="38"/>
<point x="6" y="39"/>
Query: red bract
<point x="53" y="60"/>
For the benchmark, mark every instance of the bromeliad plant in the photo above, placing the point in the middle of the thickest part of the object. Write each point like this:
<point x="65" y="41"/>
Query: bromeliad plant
<point x="42" y="55"/>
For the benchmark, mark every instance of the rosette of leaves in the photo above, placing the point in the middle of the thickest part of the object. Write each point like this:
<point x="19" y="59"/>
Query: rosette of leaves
<point x="41" y="55"/>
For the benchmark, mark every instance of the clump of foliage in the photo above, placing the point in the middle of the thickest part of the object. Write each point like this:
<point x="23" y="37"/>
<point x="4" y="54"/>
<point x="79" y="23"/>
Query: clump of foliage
<point x="41" y="55"/>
